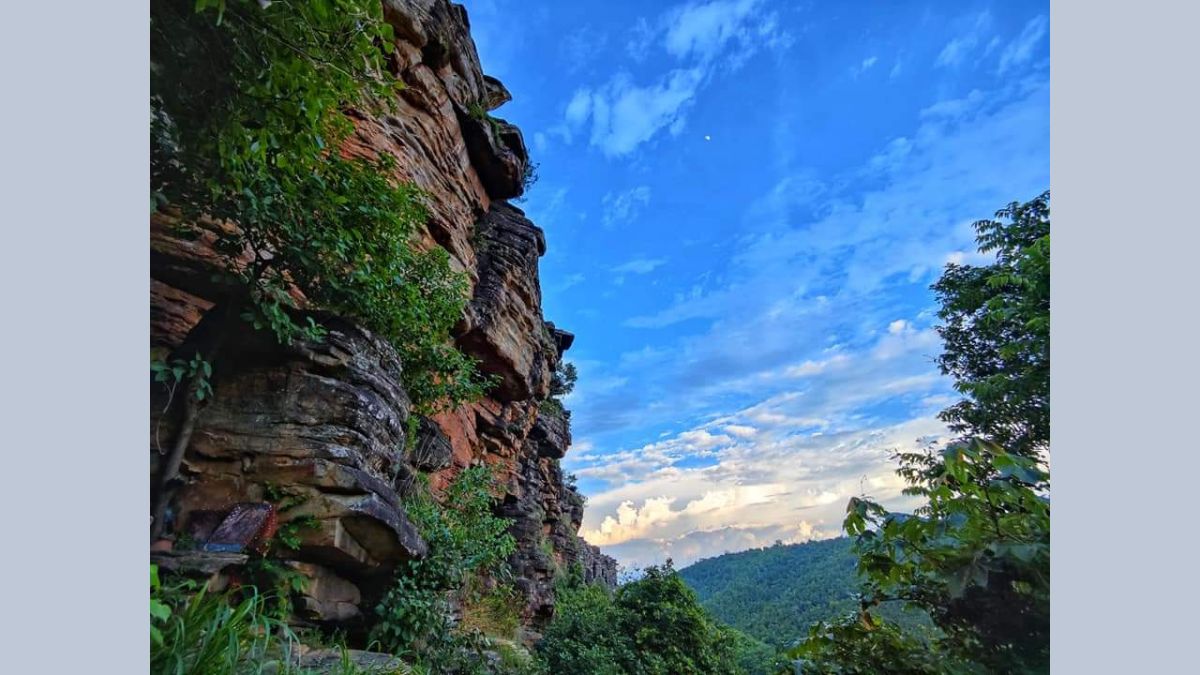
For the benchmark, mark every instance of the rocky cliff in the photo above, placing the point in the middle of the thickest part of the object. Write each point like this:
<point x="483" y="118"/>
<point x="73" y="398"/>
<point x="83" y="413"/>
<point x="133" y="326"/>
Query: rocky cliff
<point x="322" y="425"/>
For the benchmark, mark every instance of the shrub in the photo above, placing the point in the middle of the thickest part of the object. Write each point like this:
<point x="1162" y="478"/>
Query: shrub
<point x="652" y="626"/>
<point x="466" y="540"/>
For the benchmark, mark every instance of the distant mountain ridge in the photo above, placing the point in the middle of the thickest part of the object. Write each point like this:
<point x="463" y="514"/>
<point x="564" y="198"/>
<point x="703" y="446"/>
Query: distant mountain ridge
<point x="775" y="593"/>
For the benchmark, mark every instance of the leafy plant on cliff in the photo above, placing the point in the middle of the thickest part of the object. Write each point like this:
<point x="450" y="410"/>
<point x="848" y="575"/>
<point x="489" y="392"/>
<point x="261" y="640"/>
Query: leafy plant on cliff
<point x="465" y="540"/>
<point x="248" y="111"/>
<point x="247" y="125"/>
<point x="562" y="382"/>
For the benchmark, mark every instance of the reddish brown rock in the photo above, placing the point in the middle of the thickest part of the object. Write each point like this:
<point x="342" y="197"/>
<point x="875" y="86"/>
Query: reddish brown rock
<point x="173" y="314"/>
<point x="321" y="427"/>
<point x="503" y="326"/>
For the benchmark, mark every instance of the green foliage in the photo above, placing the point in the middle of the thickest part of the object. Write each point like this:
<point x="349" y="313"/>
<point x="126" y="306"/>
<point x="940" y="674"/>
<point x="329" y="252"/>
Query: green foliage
<point x="466" y="540"/>
<point x="976" y="559"/>
<point x="247" y="113"/>
<point x="582" y="638"/>
<point x="752" y="656"/>
<point x="230" y="633"/>
<point x="290" y="533"/>
<point x="652" y="626"/>
<point x="160" y="612"/>
<point x="513" y="660"/>
<point x="264" y="572"/>
<point x="863" y="645"/>
<point x="562" y="382"/>
<point x="178" y="371"/>
<point x="996" y="328"/>
<point x="976" y="556"/>
<point x="193" y="631"/>
<point x="776" y="593"/>
<point x="529" y="177"/>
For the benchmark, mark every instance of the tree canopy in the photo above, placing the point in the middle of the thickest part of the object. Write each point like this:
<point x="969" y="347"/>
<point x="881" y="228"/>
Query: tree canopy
<point x="996" y="328"/>
<point x="976" y="556"/>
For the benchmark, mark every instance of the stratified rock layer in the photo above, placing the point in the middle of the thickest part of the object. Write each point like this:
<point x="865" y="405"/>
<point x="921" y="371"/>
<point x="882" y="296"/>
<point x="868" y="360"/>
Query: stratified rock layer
<point x="320" y="427"/>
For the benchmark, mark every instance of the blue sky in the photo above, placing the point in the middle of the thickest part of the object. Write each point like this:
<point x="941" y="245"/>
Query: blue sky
<point x="745" y="202"/>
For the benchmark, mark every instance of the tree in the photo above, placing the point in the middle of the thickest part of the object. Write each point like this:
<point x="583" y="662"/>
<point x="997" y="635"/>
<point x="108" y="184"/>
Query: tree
<point x="651" y="626"/>
<point x="562" y="382"/>
<point x="976" y="556"/>
<point x="996" y="329"/>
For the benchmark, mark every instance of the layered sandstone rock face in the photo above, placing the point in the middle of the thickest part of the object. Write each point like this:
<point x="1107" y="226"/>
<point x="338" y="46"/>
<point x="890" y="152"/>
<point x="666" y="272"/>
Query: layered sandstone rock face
<point x="320" y="425"/>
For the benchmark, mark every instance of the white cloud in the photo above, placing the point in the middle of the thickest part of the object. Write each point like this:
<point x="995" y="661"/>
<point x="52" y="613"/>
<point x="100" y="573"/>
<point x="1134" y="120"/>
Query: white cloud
<point x="622" y="207"/>
<point x="866" y="65"/>
<point x="703" y="37"/>
<point x="636" y="266"/>
<point x="958" y="49"/>
<point x="788" y="487"/>
<point x="624" y="115"/>
<point x="579" y="108"/>
<point x="1021" y="49"/>
<point x="703" y="29"/>
<point x="741" y="430"/>
<point x="810" y="367"/>
<point x="954" y="108"/>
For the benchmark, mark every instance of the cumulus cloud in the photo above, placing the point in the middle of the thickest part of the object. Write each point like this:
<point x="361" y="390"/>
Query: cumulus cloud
<point x="781" y="486"/>
<point x="624" y="114"/>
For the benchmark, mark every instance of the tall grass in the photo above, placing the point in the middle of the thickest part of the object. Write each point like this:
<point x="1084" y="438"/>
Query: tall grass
<point x="201" y="633"/>
<point x="215" y="635"/>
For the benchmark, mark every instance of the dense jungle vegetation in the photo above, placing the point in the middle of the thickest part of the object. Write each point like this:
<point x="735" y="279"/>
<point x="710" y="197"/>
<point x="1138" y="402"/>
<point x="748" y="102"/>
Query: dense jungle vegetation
<point x="775" y="593"/>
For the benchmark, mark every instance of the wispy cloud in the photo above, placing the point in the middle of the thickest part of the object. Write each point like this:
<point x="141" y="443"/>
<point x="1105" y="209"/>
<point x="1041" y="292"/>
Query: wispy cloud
<point x="582" y="46"/>
<point x="959" y="48"/>
<point x="622" y="207"/>
<point x="703" y="30"/>
<point x="866" y="65"/>
<point x="639" y="266"/>
<point x="702" y="37"/>
<point x="1021" y="49"/>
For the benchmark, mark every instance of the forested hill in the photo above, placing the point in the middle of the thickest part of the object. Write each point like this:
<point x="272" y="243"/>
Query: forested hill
<point x="774" y="593"/>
